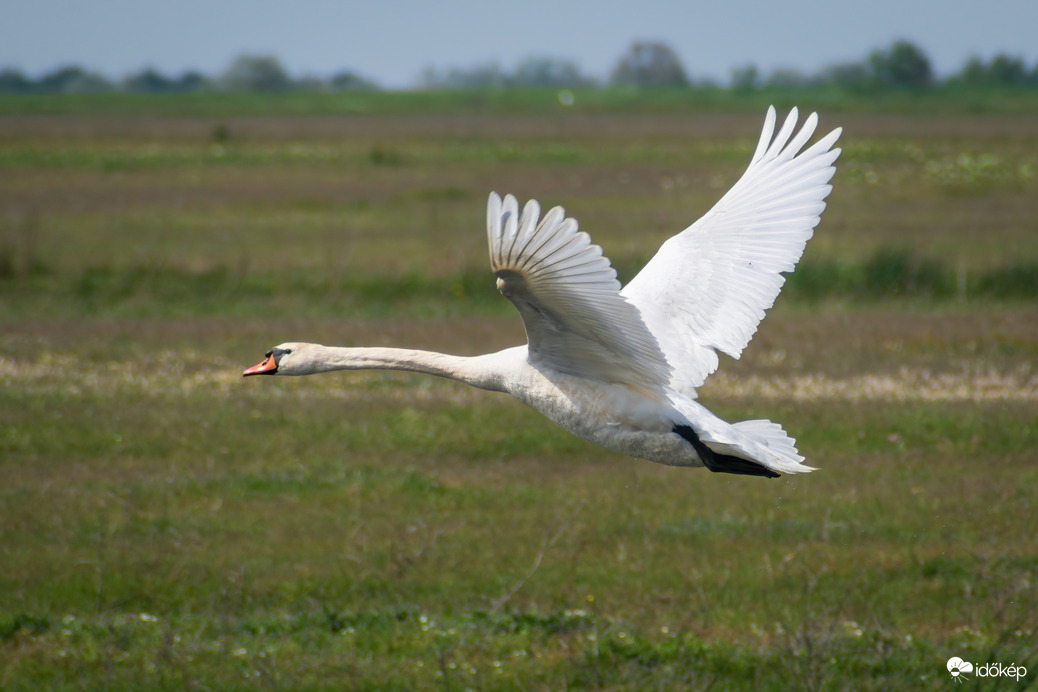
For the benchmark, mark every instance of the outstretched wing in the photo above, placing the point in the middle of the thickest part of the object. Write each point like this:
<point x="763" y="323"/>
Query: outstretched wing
<point x="569" y="298"/>
<point x="707" y="288"/>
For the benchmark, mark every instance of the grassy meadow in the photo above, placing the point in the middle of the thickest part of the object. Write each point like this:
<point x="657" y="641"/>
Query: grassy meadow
<point x="165" y="524"/>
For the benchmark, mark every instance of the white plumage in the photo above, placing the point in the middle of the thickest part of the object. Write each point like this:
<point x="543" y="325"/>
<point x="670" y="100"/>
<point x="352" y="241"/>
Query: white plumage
<point x="620" y="367"/>
<point x="707" y="288"/>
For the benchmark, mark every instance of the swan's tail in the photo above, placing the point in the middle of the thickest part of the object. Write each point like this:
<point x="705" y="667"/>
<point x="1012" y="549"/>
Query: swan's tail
<point x="749" y="447"/>
<point x="781" y="448"/>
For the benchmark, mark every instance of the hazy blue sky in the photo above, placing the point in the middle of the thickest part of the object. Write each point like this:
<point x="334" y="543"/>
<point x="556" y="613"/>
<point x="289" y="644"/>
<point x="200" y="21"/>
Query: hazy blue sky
<point x="392" y="41"/>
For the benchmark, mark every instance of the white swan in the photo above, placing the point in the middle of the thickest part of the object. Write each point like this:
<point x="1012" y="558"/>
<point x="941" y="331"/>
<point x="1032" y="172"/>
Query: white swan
<point x="620" y="367"/>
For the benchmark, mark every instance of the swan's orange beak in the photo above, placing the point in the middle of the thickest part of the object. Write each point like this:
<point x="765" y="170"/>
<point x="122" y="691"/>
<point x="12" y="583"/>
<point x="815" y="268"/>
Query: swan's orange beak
<point x="268" y="367"/>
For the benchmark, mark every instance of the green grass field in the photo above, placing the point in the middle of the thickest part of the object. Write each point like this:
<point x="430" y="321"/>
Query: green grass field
<point x="165" y="524"/>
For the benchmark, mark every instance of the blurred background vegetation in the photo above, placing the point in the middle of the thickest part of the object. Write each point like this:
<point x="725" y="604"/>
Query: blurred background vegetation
<point x="166" y="525"/>
<point x="902" y="65"/>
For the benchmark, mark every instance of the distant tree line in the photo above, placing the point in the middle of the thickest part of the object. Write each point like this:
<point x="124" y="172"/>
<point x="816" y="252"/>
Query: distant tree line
<point x="245" y="73"/>
<point x="902" y="65"/>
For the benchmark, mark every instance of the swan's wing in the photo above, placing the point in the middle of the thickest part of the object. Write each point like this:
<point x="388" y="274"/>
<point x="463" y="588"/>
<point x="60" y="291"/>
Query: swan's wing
<point x="569" y="298"/>
<point x="707" y="288"/>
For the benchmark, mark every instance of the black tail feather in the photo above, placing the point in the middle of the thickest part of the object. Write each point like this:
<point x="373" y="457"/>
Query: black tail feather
<point x="722" y="463"/>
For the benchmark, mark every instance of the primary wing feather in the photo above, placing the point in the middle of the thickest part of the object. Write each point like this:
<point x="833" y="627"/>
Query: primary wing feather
<point x="707" y="288"/>
<point x="568" y="296"/>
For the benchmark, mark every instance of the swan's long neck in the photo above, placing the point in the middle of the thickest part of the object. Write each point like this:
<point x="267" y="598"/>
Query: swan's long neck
<point x="485" y="372"/>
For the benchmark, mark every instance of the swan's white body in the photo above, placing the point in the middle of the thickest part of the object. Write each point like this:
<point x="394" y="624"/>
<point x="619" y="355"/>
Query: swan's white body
<point x="620" y="367"/>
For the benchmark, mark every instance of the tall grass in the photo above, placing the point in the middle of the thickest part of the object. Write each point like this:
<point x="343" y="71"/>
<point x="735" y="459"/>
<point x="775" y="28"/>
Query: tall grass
<point x="900" y="273"/>
<point x="33" y="289"/>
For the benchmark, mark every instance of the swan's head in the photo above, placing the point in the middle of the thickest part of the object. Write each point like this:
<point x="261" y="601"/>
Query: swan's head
<point x="292" y="358"/>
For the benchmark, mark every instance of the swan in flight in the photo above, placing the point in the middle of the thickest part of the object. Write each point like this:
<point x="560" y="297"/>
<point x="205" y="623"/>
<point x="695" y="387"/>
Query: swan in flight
<point x="620" y="366"/>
